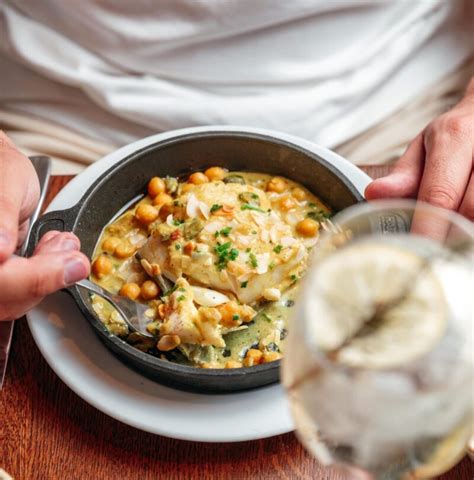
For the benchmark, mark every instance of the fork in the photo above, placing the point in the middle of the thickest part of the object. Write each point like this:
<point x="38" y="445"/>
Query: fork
<point x="133" y="313"/>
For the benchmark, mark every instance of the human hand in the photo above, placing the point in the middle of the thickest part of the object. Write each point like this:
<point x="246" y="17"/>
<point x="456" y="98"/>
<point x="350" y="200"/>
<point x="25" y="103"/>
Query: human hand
<point x="437" y="165"/>
<point x="56" y="262"/>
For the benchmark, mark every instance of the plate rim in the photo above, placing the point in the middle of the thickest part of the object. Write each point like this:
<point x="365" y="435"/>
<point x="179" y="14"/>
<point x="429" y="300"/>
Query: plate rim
<point x="87" y="177"/>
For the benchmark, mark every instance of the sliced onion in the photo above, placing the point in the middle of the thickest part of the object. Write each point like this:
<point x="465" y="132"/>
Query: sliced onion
<point x="192" y="207"/>
<point x="208" y="298"/>
<point x="205" y="210"/>
<point x="263" y="260"/>
<point x="288" y="241"/>
<point x="169" y="220"/>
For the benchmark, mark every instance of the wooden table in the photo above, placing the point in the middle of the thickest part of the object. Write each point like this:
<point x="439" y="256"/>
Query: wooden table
<point x="47" y="432"/>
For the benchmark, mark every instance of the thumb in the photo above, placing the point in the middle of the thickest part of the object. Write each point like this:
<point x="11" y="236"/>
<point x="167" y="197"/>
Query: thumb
<point x="25" y="279"/>
<point x="405" y="178"/>
<point x="19" y="192"/>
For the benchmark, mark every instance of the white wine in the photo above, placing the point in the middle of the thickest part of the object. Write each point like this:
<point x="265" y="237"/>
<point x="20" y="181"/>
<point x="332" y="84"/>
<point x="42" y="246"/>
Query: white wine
<point x="379" y="363"/>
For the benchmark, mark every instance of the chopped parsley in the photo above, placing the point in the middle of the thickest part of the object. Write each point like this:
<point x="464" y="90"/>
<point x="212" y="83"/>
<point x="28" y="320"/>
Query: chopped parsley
<point x="244" y="284"/>
<point x="224" y="232"/>
<point x="181" y="298"/>
<point x="215" y="207"/>
<point x="253" y="260"/>
<point x="318" y="215"/>
<point x="170" y="291"/>
<point x="294" y="278"/>
<point x="278" y="248"/>
<point x="235" y="317"/>
<point x="271" y="266"/>
<point x="177" y="203"/>
<point x="224" y="254"/>
<point x="247" y="206"/>
<point x="267" y="317"/>
<point x="177" y="222"/>
<point x="177" y="246"/>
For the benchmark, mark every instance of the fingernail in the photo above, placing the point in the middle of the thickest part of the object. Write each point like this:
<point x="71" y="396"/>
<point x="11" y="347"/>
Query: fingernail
<point x="68" y="245"/>
<point x="74" y="270"/>
<point x="4" y="239"/>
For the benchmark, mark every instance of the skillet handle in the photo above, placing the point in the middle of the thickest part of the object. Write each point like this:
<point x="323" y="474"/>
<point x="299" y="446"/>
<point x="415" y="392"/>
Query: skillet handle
<point x="61" y="220"/>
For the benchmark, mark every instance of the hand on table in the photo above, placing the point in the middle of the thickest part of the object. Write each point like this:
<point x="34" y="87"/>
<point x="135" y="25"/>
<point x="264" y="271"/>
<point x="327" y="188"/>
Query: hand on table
<point x="56" y="262"/>
<point x="437" y="165"/>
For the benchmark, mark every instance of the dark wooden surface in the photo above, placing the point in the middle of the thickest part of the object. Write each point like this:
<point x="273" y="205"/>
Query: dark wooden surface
<point x="47" y="433"/>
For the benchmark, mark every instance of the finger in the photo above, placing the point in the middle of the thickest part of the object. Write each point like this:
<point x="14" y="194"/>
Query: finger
<point x="24" y="279"/>
<point x="467" y="203"/>
<point x="19" y="193"/>
<point x="60" y="242"/>
<point x="405" y="178"/>
<point x="447" y="170"/>
<point x="48" y="236"/>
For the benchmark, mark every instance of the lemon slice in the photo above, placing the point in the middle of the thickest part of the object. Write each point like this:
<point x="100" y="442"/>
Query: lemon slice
<point x="376" y="306"/>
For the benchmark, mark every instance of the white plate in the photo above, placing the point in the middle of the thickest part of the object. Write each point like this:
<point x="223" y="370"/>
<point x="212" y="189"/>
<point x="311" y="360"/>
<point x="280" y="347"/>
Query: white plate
<point x="78" y="357"/>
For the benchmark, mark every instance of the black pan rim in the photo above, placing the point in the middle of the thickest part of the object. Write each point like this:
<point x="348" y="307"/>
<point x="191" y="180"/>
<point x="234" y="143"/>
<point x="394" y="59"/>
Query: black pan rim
<point x="78" y="208"/>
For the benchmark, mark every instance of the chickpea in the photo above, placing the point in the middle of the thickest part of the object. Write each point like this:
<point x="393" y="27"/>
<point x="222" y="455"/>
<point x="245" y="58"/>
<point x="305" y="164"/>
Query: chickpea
<point x="233" y="364"/>
<point x="186" y="187"/>
<point x="130" y="290"/>
<point x="215" y="173"/>
<point x="197" y="178"/>
<point x="255" y="354"/>
<point x="299" y="194"/>
<point x="271" y="356"/>
<point x="146" y="214"/>
<point x="124" y="250"/>
<point x="156" y="186"/>
<point x="162" y="199"/>
<point x="149" y="290"/>
<point x="307" y="227"/>
<point x="228" y="311"/>
<point x="287" y="203"/>
<point x="110" y="244"/>
<point x="277" y="184"/>
<point x="168" y="342"/>
<point x="165" y="210"/>
<point x="189" y="248"/>
<point x="249" y="362"/>
<point x="101" y="266"/>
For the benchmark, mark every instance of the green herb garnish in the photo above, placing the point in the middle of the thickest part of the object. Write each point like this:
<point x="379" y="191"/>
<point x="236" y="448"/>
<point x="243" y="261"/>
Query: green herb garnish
<point x="246" y="206"/>
<point x="177" y="246"/>
<point x="244" y="284"/>
<point x="278" y="248"/>
<point x="224" y="232"/>
<point x="318" y="215"/>
<point x="215" y="207"/>
<point x="253" y="260"/>
<point x="181" y="298"/>
<point x="224" y="254"/>
<point x="235" y="317"/>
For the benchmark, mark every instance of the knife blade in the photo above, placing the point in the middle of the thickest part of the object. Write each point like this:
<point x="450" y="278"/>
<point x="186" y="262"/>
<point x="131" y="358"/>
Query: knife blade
<point x="42" y="167"/>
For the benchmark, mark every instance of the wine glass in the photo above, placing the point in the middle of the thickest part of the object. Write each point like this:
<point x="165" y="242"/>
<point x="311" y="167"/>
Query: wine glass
<point x="379" y="363"/>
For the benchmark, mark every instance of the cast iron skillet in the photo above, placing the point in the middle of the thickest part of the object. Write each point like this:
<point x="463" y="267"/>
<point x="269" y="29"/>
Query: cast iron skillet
<point x="127" y="179"/>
